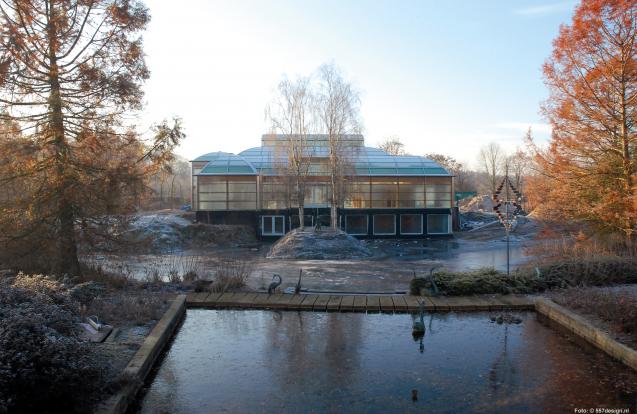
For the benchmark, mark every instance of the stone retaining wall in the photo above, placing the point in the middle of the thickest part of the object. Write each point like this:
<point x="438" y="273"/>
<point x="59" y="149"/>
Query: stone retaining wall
<point x="583" y="329"/>
<point x="142" y="362"/>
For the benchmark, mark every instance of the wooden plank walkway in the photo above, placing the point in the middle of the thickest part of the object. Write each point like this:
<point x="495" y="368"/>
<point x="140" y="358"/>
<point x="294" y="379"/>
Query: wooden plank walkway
<point x="358" y="303"/>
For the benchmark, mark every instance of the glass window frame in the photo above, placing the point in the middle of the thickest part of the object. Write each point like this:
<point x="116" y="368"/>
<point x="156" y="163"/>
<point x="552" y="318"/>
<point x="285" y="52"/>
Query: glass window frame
<point x="448" y="223"/>
<point x="374" y="225"/>
<point x="273" y="219"/>
<point x="366" y="224"/>
<point x="422" y="225"/>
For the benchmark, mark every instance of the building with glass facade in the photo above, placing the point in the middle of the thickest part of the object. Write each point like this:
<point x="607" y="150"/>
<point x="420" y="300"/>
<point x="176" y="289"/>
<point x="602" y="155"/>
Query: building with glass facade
<point x="387" y="196"/>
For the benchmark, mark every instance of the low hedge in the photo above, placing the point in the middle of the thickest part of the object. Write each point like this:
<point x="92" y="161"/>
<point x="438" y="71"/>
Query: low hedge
<point x="600" y="271"/>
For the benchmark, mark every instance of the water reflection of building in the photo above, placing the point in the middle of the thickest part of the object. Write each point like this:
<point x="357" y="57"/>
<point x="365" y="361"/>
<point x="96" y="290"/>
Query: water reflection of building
<point x="323" y="347"/>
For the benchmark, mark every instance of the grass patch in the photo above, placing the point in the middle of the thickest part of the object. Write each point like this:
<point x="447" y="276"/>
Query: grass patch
<point x="137" y="307"/>
<point x="230" y="275"/>
<point x="92" y="272"/>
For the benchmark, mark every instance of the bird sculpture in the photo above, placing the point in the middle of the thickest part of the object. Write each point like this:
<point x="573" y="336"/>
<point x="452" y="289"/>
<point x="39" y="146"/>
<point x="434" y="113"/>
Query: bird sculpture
<point x="418" y="328"/>
<point x="274" y="284"/>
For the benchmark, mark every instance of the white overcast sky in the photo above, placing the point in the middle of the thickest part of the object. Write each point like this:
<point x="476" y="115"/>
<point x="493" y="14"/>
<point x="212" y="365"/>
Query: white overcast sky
<point x="445" y="77"/>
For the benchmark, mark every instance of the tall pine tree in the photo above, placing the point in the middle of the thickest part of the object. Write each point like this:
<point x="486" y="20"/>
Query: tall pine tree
<point x="69" y="72"/>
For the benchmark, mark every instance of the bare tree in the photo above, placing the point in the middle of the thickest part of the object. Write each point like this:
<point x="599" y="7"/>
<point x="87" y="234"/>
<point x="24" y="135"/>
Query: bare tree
<point x="491" y="158"/>
<point x="461" y="180"/>
<point x="170" y="181"/>
<point x="339" y="114"/>
<point x="393" y="146"/>
<point x="518" y="165"/>
<point x="290" y="114"/>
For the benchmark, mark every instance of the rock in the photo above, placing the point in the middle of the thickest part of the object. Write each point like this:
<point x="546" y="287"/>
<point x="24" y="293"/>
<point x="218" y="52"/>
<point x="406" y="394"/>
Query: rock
<point x="328" y="244"/>
<point x="505" y="318"/>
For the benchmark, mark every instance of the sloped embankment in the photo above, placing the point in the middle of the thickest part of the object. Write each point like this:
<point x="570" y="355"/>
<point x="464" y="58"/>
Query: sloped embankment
<point x="328" y="244"/>
<point x="167" y="232"/>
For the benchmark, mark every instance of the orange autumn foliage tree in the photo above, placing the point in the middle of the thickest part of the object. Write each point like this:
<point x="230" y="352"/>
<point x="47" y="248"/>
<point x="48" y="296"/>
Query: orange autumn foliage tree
<point x="588" y="170"/>
<point x="70" y="73"/>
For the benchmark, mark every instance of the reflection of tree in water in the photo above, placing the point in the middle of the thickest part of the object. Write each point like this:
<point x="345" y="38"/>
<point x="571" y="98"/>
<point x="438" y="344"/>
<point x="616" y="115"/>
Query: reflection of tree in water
<point x="570" y="373"/>
<point x="502" y="375"/>
<point x="162" y="399"/>
<point x="313" y="351"/>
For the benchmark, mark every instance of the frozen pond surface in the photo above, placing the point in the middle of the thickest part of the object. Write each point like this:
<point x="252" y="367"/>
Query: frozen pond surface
<point x="460" y="255"/>
<point x="304" y="362"/>
<point x="392" y="267"/>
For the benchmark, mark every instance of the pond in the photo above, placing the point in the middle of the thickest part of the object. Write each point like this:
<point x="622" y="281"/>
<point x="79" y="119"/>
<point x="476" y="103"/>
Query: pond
<point x="231" y="361"/>
<point x="462" y="255"/>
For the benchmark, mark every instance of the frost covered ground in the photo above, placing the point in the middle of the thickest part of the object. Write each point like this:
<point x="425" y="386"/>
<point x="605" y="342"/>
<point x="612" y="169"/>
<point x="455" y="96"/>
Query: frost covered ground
<point x="324" y="244"/>
<point x="180" y="246"/>
<point x="171" y="231"/>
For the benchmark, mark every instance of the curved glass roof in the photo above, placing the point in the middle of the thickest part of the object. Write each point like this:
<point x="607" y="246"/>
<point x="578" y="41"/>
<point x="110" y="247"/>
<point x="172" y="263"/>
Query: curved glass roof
<point x="368" y="162"/>
<point x="373" y="161"/>
<point x="262" y="158"/>
<point x="210" y="156"/>
<point x="227" y="164"/>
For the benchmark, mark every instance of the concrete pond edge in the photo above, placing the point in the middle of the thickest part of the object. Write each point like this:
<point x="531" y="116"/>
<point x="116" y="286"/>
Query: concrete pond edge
<point x="142" y="362"/>
<point x="581" y="328"/>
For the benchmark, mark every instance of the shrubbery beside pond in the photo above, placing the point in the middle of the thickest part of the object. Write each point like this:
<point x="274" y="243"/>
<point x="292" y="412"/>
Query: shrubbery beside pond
<point x="44" y="366"/>
<point x="601" y="271"/>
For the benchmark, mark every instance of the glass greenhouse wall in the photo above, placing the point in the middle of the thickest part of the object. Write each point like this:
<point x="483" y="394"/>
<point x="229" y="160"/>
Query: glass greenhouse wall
<point x="385" y="195"/>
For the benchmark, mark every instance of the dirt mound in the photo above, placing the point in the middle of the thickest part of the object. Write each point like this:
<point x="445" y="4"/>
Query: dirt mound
<point x="164" y="232"/>
<point x="478" y="203"/>
<point x="324" y="244"/>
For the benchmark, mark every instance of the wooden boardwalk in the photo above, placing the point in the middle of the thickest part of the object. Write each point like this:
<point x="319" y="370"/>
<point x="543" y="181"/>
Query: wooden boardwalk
<point x="358" y="303"/>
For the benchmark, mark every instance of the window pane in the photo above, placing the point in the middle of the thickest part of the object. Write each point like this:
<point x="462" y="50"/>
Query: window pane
<point x="241" y="187"/>
<point x="356" y="224"/>
<point x="383" y="203"/>
<point x="411" y="223"/>
<point x="273" y="204"/>
<point x="438" y="180"/>
<point x="212" y="188"/>
<point x="411" y="188"/>
<point x="242" y="196"/>
<point x="359" y="187"/>
<point x="411" y="196"/>
<point x="438" y="223"/>
<point x="278" y="224"/>
<point x="438" y="203"/>
<point x="357" y="200"/>
<point x="307" y="222"/>
<point x="212" y="196"/>
<point x="384" y="224"/>
<point x="316" y="195"/>
<point x="208" y="205"/>
<point x="242" y="205"/>
<point x="384" y="193"/>
<point x="411" y="203"/>
<point x="267" y="224"/>
<point x="438" y="188"/>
